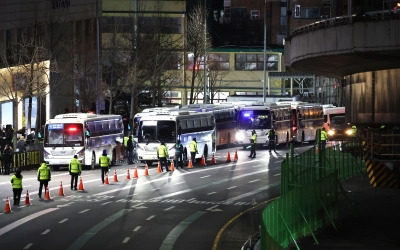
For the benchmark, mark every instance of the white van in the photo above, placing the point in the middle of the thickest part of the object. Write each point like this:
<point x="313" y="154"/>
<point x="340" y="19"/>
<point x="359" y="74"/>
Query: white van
<point x="331" y="111"/>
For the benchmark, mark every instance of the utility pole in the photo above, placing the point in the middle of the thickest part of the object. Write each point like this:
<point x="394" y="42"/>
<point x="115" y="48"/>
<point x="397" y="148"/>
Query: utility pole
<point x="205" y="54"/>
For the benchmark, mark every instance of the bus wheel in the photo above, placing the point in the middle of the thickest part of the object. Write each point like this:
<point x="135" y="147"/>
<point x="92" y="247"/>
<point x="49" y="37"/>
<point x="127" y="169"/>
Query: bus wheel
<point x="205" y="152"/>
<point x="93" y="161"/>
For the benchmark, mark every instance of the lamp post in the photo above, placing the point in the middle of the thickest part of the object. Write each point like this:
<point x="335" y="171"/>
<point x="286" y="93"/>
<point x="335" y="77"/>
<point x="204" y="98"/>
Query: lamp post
<point x="265" y="49"/>
<point x="205" y="55"/>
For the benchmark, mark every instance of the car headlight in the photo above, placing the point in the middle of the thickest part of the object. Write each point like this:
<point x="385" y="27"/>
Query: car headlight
<point x="349" y="132"/>
<point x="331" y="132"/>
<point x="240" y="136"/>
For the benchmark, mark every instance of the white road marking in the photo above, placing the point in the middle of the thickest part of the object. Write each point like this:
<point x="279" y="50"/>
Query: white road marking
<point x="84" y="211"/>
<point x="136" y="228"/>
<point x="126" y="240"/>
<point x="28" y="246"/>
<point x="231" y="187"/>
<point x="62" y="221"/>
<point x="46" y="231"/>
<point x="150" y="217"/>
<point x="169" y="208"/>
<point x="211" y="193"/>
<point x="254" y="180"/>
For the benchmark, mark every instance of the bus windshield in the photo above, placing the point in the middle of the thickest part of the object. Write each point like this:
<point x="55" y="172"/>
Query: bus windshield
<point x="157" y="131"/>
<point x="60" y="134"/>
<point x="254" y="119"/>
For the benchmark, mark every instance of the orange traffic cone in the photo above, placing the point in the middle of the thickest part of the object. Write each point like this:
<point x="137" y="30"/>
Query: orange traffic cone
<point x="115" y="176"/>
<point x="128" y="175"/>
<point x="27" y="200"/>
<point x="159" y="167"/>
<point x="7" y="209"/>
<point x="106" y="180"/>
<point x="172" y="167"/>
<point x="228" y="158"/>
<point x="61" y="191"/>
<point x="203" y="161"/>
<point x="135" y="174"/>
<point x="190" y="164"/>
<point x="81" y="185"/>
<point x="213" y="159"/>
<point x="146" y="170"/>
<point x="47" y="194"/>
<point x="236" y="156"/>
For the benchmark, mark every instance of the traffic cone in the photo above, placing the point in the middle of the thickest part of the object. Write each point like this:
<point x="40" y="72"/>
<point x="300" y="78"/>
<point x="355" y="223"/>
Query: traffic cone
<point x="146" y="170"/>
<point x="203" y="161"/>
<point x="81" y="185"/>
<point x="115" y="176"/>
<point x="47" y="194"/>
<point x="61" y="191"/>
<point x="135" y="174"/>
<point x="190" y="165"/>
<point x="27" y="200"/>
<point x="159" y="167"/>
<point x="228" y="158"/>
<point x="213" y="159"/>
<point x="172" y="167"/>
<point x="7" y="209"/>
<point x="106" y="180"/>
<point x="235" y="158"/>
<point x="128" y="175"/>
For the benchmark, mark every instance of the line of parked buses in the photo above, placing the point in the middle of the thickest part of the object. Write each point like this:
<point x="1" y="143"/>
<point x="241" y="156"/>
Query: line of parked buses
<point x="213" y="125"/>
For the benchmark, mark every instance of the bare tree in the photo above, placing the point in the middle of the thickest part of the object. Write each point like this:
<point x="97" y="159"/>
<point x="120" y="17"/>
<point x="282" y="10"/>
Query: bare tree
<point x="198" y="42"/>
<point x="25" y="75"/>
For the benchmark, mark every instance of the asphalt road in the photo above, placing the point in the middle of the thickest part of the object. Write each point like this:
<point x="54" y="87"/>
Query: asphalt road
<point x="181" y="209"/>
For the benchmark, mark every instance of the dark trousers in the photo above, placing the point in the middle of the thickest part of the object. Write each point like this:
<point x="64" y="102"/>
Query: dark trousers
<point x="74" y="180"/>
<point x="7" y="165"/>
<point x="41" y="184"/>
<point x="17" y="195"/>
<point x="323" y="144"/>
<point x="253" y="150"/>
<point x="104" y="170"/>
<point x="129" y="154"/>
<point x="272" y="145"/>
<point x="164" y="162"/>
<point x="179" y="160"/>
<point x="193" y="157"/>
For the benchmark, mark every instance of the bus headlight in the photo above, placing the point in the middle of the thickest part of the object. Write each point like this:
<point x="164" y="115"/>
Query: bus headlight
<point x="331" y="132"/>
<point x="349" y="132"/>
<point x="240" y="136"/>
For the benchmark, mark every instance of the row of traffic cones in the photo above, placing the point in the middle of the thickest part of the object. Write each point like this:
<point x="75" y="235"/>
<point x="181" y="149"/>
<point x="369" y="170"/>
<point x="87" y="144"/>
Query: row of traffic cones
<point x="228" y="158"/>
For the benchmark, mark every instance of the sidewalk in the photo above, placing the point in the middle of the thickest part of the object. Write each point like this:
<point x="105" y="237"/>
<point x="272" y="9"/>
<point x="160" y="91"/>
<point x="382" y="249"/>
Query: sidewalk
<point x="371" y="223"/>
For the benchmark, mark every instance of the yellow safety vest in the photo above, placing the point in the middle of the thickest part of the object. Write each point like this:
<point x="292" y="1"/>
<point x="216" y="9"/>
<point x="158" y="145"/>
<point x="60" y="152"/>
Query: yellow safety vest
<point x="75" y="166"/>
<point x="44" y="172"/>
<point x="104" y="161"/>
<point x="162" y="151"/>
<point x="193" y="146"/>
<point x="16" y="182"/>
<point x="324" y="135"/>
<point x="254" y="138"/>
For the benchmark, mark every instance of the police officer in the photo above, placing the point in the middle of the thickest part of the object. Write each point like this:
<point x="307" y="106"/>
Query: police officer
<point x="162" y="155"/>
<point x="43" y="176"/>
<point x="324" y="137"/>
<point x="129" y="150"/>
<point x="253" y="143"/>
<point x="75" y="169"/>
<point x="179" y="153"/>
<point x="271" y="138"/>
<point x="104" y="162"/>
<point x="16" y="181"/>
<point x="193" y="150"/>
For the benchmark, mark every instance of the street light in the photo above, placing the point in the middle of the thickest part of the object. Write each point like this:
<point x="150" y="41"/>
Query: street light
<point x="265" y="49"/>
<point x="205" y="56"/>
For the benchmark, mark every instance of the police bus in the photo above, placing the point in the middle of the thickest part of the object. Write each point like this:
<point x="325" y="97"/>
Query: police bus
<point x="81" y="134"/>
<point x="261" y="117"/>
<point x="306" y="118"/>
<point x="225" y="120"/>
<point x="167" y="128"/>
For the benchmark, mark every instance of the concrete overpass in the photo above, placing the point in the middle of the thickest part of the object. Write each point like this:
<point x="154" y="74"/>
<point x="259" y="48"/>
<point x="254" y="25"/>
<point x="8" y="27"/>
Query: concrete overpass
<point x="344" y="46"/>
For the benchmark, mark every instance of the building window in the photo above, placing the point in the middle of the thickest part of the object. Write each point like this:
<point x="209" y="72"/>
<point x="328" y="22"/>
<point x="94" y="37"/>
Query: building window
<point x="256" y="62"/>
<point x="238" y="13"/>
<point x="174" y="62"/>
<point x="218" y="62"/>
<point x="255" y="15"/>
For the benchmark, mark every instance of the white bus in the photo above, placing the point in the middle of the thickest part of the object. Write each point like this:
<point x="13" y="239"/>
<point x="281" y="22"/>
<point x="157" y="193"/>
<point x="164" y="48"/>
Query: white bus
<point x="261" y="118"/>
<point x="81" y="134"/>
<point x="225" y="120"/>
<point x="306" y="118"/>
<point x="167" y="128"/>
<point x="331" y="111"/>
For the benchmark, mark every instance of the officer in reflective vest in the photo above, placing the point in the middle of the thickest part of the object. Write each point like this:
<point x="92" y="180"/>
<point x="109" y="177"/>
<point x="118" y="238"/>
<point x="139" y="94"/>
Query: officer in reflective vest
<point x="193" y="150"/>
<point x="75" y="169"/>
<point x="16" y="181"/>
<point x="104" y="162"/>
<point x="162" y="155"/>
<point x="43" y="176"/>
<point x="324" y="137"/>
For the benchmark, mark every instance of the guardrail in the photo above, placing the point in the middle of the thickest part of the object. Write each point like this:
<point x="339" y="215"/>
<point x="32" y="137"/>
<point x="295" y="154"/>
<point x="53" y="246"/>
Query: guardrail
<point x="310" y="183"/>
